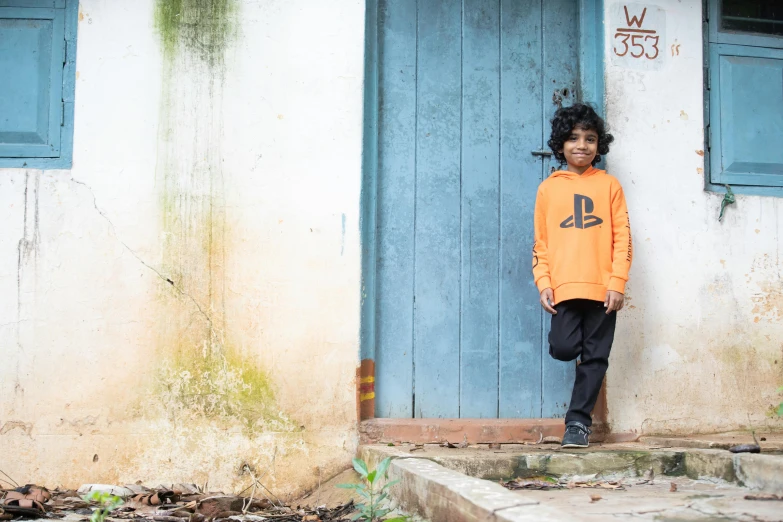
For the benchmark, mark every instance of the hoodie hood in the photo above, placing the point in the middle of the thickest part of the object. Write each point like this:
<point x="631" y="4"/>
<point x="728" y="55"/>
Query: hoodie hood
<point x="591" y="171"/>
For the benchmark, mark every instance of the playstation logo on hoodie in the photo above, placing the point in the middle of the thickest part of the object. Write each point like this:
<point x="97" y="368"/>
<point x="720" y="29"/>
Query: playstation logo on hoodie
<point x="580" y="219"/>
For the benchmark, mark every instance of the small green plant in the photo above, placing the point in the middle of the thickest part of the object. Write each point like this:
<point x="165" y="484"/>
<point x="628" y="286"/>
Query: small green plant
<point x="107" y="503"/>
<point x="376" y="499"/>
<point x="780" y="406"/>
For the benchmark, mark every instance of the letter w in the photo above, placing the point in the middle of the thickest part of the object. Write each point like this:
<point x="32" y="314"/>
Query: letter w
<point x="633" y="19"/>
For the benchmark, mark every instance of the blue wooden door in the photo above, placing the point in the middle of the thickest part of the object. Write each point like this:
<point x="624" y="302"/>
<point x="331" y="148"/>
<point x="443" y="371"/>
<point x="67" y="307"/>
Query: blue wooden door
<point x="466" y="91"/>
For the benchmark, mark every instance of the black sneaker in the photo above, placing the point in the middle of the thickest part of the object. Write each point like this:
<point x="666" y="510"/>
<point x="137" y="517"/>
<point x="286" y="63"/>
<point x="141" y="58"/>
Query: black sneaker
<point x="576" y="435"/>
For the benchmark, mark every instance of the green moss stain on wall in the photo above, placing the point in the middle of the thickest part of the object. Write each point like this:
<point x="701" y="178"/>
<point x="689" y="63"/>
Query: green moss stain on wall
<point x="203" y="27"/>
<point x="200" y="373"/>
<point x="219" y="383"/>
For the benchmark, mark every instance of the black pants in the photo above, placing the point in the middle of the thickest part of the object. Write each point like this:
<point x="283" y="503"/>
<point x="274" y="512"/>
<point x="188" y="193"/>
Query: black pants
<point x="581" y="328"/>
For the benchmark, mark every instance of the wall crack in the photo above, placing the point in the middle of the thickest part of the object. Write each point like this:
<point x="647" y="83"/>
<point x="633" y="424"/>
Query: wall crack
<point x="157" y="272"/>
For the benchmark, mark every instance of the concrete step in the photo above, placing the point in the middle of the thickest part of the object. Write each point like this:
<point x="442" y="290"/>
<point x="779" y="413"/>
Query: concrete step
<point x="454" y="485"/>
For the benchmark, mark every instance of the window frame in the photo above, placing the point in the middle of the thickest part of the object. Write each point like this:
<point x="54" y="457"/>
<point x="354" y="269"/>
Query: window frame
<point x="716" y="40"/>
<point x="64" y="160"/>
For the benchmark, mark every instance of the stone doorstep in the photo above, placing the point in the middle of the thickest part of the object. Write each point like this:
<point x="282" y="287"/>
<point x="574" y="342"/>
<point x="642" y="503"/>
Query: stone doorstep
<point x="444" y="487"/>
<point x="474" y="431"/>
<point x="773" y="442"/>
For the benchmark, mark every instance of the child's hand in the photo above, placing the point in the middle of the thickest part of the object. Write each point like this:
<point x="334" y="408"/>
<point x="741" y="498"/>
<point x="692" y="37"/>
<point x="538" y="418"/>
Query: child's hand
<point x="547" y="300"/>
<point x="614" y="301"/>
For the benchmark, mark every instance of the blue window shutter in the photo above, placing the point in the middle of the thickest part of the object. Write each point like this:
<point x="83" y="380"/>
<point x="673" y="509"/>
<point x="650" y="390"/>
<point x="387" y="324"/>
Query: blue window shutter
<point x="32" y="46"/>
<point x="746" y="136"/>
<point x="32" y="3"/>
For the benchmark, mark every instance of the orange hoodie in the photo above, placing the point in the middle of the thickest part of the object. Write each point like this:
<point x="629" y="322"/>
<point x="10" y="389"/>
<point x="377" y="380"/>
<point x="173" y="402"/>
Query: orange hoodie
<point x="583" y="236"/>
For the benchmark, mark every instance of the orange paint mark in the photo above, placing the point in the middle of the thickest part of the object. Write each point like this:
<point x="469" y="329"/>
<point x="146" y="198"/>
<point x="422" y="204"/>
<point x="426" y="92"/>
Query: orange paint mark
<point x="755" y="319"/>
<point x="81" y="17"/>
<point x="700" y="152"/>
<point x="757" y="231"/>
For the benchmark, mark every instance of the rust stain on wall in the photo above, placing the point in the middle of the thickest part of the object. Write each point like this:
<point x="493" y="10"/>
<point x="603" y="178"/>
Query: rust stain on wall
<point x="365" y="389"/>
<point x="768" y="302"/>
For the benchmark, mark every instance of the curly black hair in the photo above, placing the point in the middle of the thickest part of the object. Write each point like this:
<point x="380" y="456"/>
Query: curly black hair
<point x="580" y="116"/>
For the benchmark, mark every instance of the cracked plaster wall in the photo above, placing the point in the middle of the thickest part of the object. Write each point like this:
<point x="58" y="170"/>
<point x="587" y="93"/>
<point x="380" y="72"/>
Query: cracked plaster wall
<point x="700" y="346"/>
<point x="185" y="299"/>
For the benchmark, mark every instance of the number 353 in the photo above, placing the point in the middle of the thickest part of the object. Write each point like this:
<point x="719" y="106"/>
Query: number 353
<point x="638" y="45"/>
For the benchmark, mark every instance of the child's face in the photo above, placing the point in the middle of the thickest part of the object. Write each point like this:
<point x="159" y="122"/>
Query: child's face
<point x="580" y="148"/>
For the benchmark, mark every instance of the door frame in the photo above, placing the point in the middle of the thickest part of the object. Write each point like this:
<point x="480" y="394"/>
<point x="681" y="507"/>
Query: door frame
<point x="591" y="89"/>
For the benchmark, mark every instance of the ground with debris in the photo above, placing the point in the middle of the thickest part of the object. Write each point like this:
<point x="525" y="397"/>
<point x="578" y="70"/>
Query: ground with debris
<point x="669" y="499"/>
<point x="175" y="503"/>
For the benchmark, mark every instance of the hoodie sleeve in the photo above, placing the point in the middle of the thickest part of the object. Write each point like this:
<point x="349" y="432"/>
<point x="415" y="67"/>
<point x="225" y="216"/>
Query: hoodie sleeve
<point x="540" y="253"/>
<point x="622" y="248"/>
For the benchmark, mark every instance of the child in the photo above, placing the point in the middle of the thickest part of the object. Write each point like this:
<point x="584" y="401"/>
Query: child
<point x="581" y="258"/>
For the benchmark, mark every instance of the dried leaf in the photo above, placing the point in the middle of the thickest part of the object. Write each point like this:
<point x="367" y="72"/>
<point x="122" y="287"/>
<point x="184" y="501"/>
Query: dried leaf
<point x="595" y="498"/>
<point x="763" y="496"/>
<point x="673" y="487"/>
<point x="745" y="448"/>
<point x="541" y="485"/>
<point x="613" y="484"/>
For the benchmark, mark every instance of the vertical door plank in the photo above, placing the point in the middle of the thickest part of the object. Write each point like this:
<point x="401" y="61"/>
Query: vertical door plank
<point x="395" y="212"/>
<point x="561" y="69"/>
<point x="437" y="235"/>
<point x="480" y="208"/>
<point x="521" y="128"/>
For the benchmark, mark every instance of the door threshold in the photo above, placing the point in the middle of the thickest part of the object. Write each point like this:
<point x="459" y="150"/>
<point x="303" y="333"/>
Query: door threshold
<point x="472" y="431"/>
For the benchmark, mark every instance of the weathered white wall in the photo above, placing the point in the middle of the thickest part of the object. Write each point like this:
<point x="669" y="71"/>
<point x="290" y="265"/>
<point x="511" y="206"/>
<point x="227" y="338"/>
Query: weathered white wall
<point x="229" y="164"/>
<point x="700" y="348"/>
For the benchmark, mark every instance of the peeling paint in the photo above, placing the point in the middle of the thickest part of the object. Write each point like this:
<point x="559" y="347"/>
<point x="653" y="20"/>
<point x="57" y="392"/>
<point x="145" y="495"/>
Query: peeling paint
<point x="24" y="427"/>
